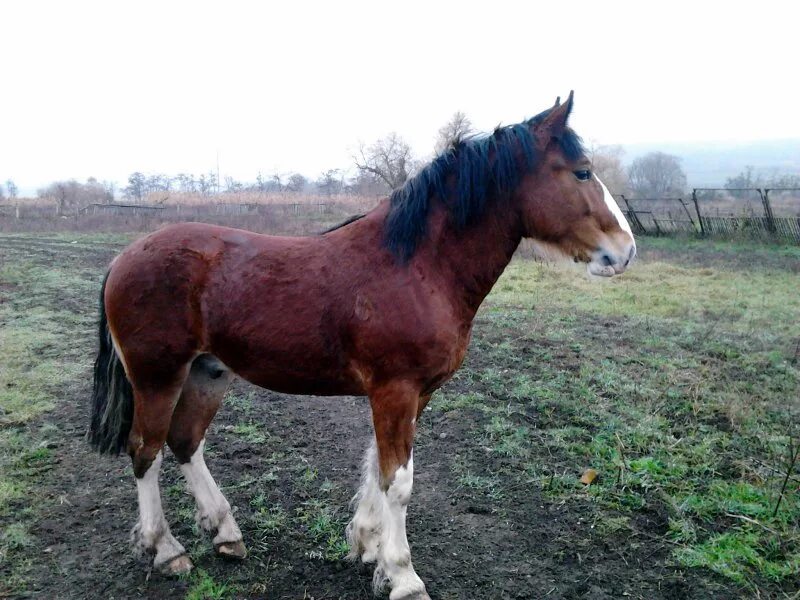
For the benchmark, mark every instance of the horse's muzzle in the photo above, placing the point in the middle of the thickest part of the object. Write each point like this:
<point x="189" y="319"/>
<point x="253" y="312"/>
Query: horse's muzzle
<point x="607" y="262"/>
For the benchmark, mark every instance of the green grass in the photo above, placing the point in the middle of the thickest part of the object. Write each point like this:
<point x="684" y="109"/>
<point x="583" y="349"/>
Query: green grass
<point x="678" y="382"/>
<point x="43" y="358"/>
<point x="751" y="302"/>
<point x="251" y="433"/>
<point x="205" y="588"/>
<point x="324" y="526"/>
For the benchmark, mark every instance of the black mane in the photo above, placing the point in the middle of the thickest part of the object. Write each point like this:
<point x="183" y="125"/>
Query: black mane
<point x="474" y="181"/>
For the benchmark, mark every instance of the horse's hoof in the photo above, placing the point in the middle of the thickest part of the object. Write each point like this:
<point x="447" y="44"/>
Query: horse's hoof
<point x="232" y="550"/>
<point x="422" y="595"/>
<point x="180" y="565"/>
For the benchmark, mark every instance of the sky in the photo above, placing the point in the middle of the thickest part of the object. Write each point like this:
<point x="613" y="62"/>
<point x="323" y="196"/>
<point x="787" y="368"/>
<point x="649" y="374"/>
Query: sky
<point x="103" y="89"/>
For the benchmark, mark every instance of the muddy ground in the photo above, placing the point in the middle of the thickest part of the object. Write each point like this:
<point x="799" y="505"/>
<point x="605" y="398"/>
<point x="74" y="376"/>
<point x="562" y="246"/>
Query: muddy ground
<point x="289" y="465"/>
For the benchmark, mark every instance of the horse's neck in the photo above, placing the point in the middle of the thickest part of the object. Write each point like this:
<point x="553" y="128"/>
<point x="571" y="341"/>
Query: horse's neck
<point x="475" y="257"/>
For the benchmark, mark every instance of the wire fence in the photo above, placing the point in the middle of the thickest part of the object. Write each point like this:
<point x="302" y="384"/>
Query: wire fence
<point x="273" y="217"/>
<point x="757" y="213"/>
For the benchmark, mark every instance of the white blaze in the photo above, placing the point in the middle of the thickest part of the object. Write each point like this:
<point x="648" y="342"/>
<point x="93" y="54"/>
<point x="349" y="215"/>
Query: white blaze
<point x="614" y="208"/>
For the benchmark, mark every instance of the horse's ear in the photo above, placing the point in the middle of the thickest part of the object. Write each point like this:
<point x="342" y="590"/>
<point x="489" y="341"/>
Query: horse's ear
<point x="555" y="122"/>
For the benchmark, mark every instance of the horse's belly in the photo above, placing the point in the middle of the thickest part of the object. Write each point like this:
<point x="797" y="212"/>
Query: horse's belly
<point x="298" y="383"/>
<point x="293" y="371"/>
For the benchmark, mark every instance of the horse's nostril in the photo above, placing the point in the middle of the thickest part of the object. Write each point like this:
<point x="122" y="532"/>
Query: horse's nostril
<point x="607" y="262"/>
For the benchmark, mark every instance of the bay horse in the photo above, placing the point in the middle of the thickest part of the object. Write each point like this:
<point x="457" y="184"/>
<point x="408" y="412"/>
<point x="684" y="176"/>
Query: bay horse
<point x="381" y="306"/>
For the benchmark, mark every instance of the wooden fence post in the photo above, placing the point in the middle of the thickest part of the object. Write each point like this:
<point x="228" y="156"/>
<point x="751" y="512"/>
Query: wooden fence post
<point x="688" y="214"/>
<point x="767" y="209"/>
<point x="697" y="209"/>
<point x="632" y="213"/>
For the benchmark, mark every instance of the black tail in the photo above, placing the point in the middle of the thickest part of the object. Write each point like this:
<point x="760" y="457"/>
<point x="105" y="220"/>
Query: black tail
<point x="112" y="397"/>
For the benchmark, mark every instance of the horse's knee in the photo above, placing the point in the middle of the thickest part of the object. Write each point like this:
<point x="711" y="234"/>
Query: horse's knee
<point x="143" y="458"/>
<point x="399" y="490"/>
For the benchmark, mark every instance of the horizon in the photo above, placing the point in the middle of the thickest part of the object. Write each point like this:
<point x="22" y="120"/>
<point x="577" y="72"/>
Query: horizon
<point x="95" y="96"/>
<point x="630" y="152"/>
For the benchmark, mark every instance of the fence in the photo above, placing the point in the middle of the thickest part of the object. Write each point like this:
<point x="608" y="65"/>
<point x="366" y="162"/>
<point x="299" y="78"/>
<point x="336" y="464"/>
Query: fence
<point x="273" y="217"/>
<point x="753" y="212"/>
<point x="763" y="213"/>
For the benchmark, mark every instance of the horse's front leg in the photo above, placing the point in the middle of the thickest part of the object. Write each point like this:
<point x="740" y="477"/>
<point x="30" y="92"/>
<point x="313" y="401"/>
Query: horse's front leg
<point x="378" y="530"/>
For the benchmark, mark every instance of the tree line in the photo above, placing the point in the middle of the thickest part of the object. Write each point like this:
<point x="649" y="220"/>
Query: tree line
<point x="387" y="164"/>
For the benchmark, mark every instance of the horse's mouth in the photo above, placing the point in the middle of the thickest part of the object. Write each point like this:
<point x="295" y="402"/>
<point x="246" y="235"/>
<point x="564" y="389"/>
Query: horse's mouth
<point x="608" y="262"/>
<point x="603" y="271"/>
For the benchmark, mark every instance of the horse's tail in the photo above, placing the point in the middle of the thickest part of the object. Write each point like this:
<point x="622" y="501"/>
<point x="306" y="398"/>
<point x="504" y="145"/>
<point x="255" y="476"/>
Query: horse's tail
<point x="112" y="396"/>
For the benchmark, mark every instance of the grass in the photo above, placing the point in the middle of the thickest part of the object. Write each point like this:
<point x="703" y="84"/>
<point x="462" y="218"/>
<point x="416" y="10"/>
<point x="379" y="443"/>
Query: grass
<point x="42" y="359"/>
<point x="205" y="588"/>
<point x="324" y="526"/>
<point x="678" y="383"/>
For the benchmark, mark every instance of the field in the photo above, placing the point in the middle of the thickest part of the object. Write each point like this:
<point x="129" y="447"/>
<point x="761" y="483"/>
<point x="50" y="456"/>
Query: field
<point x="678" y="383"/>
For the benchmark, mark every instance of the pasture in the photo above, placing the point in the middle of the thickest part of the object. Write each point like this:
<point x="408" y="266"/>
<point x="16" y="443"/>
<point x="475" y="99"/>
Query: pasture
<point x="678" y="383"/>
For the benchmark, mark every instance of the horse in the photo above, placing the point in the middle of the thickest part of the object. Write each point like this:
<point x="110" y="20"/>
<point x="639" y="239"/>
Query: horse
<point x="381" y="306"/>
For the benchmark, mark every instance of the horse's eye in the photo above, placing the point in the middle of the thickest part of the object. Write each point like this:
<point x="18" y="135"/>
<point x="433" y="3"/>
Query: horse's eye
<point x="583" y="174"/>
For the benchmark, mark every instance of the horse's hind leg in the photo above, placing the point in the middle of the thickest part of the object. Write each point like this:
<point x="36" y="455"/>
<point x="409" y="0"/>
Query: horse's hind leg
<point x="201" y="397"/>
<point x="151" y="417"/>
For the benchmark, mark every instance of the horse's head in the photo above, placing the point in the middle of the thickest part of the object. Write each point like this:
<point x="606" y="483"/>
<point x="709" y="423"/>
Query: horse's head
<point x="566" y="209"/>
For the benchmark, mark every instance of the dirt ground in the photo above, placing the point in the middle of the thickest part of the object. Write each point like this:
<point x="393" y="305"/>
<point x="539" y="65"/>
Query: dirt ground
<point x="289" y="466"/>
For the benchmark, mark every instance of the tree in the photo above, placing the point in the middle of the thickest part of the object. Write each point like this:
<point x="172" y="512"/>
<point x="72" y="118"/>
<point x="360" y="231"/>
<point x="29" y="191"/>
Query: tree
<point x="2" y="194"/>
<point x="748" y="179"/>
<point x="458" y="127"/>
<point x="231" y="185"/>
<point x="261" y="184"/>
<point x="186" y="183"/>
<point x="11" y="188"/>
<point x="367" y="184"/>
<point x="137" y="186"/>
<point x="296" y="183"/>
<point x="158" y="183"/>
<point x="390" y="159"/>
<point x="205" y="184"/>
<point x="607" y="165"/>
<point x="71" y="194"/>
<point x="330" y="182"/>
<point x="657" y="175"/>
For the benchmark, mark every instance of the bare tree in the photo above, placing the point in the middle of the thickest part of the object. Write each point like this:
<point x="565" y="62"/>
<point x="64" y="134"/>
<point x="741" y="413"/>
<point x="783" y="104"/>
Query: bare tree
<point x="458" y="127"/>
<point x="367" y="184"/>
<point x="2" y="194"/>
<point x="11" y="188"/>
<point x="657" y="175"/>
<point x="330" y="182"/>
<point x="205" y="184"/>
<point x="71" y="194"/>
<point x="389" y="159"/>
<point x="158" y="183"/>
<point x="231" y="185"/>
<point x="296" y="183"/>
<point x="607" y="165"/>
<point x="186" y="182"/>
<point x="137" y="186"/>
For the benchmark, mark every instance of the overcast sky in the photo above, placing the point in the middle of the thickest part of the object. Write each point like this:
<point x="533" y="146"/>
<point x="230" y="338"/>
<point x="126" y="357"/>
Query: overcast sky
<point x="103" y="89"/>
